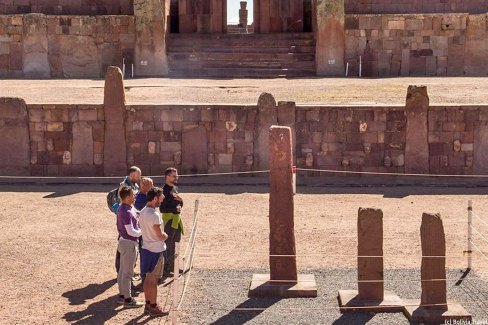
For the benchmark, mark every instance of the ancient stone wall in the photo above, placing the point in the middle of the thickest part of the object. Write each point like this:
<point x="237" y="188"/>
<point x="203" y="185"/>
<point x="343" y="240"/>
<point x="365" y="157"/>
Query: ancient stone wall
<point x="37" y="45"/>
<point x="65" y="7"/>
<point x="415" y="6"/>
<point x="417" y="45"/>
<point x="68" y="140"/>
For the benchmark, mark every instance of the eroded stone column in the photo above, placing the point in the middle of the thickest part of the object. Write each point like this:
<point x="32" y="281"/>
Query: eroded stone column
<point x="151" y="26"/>
<point x="243" y="15"/>
<point x="417" y="145"/>
<point x="433" y="268"/>
<point x="115" y="147"/>
<point x="370" y="254"/>
<point x="267" y="116"/>
<point x="35" y="43"/>
<point x="434" y="307"/>
<point x="281" y="208"/>
<point x="330" y="48"/>
<point x="15" y="157"/>
<point x="283" y="280"/>
<point x="287" y="117"/>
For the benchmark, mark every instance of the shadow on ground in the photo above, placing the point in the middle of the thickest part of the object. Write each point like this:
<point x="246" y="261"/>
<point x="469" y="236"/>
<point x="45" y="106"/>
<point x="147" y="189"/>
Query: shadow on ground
<point x="261" y="187"/>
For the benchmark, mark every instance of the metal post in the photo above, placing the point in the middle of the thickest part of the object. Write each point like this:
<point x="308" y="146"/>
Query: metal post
<point x="294" y="179"/>
<point x="176" y="286"/>
<point x="347" y="69"/>
<point x="360" y="66"/>
<point x="470" y="233"/>
<point x="123" y="68"/>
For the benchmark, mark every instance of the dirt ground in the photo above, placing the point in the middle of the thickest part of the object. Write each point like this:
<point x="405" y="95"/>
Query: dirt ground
<point x="323" y="91"/>
<point x="58" y="242"/>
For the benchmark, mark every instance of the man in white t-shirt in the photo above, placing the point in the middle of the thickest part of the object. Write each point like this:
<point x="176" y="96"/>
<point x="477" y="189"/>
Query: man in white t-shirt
<point x="153" y="246"/>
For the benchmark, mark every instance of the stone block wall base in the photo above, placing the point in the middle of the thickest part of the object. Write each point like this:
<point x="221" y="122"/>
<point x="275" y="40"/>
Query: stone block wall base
<point x="416" y="314"/>
<point x="349" y="301"/>
<point x="261" y="286"/>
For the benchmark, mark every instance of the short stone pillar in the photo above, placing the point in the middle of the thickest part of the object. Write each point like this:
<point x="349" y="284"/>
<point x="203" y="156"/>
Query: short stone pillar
<point x="266" y="117"/>
<point x="151" y="27"/>
<point x="433" y="307"/>
<point x="115" y="147"/>
<point x="370" y="295"/>
<point x="283" y="280"/>
<point x="329" y="28"/>
<point x="417" y="138"/>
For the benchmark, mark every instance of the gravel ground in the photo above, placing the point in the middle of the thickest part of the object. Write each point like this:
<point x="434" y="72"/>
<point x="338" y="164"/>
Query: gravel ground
<point x="320" y="91"/>
<point x="216" y="293"/>
<point x="58" y="245"/>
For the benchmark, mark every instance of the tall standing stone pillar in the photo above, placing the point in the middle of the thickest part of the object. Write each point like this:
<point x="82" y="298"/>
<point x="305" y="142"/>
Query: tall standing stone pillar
<point x="370" y="254"/>
<point x="283" y="280"/>
<point x="287" y="117"/>
<point x="243" y="15"/>
<point x="115" y="147"/>
<point x="267" y="116"/>
<point x="417" y="141"/>
<point x="330" y="36"/>
<point x="370" y="295"/>
<point x="35" y="47"/>
<point x="151" y="26"/>
<point x="15" y="157"/>
<point x="433" y="307"/>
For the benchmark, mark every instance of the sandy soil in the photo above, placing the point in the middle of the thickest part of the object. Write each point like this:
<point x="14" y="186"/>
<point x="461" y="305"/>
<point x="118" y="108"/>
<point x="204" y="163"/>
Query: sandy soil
<point x="58" y="242"/>
<point x="325" y="91"/>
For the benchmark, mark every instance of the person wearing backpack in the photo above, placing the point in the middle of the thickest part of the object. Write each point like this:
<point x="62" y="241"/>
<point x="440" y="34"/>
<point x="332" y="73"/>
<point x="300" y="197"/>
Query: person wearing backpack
<point x="129" y="232"/>
<point x="113" y="200"/>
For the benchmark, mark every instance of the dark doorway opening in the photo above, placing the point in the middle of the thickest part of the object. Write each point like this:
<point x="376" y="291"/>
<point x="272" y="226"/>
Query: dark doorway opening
<point x="174" y="19"/>
<point x="307" y="16"/>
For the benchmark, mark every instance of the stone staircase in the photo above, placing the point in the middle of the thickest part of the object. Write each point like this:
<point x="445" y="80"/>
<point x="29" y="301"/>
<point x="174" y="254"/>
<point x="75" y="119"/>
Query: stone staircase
<point x="241" y="55"/>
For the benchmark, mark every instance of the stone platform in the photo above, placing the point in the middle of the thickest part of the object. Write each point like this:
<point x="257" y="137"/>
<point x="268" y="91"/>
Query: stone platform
<point x="261" y="286"/>
<point x="417" y="314"/>
<point x="349" y="301"/>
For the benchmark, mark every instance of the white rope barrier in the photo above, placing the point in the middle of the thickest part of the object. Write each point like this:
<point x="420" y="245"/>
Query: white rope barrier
<point x="331" y="171"/>
<point x="224" y="279"/>
<point x="480" y="219"/>
<point x="480" y="234"/>
<point x="300" y="309"/>
<point x="265" y="254"/>
<point x="187" y="268"/>
<point x="479" y="250"/>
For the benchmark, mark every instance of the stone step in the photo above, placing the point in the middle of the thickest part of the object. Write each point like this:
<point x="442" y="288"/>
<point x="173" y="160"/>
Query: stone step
<point x="177" y="65"/>
<point x="248" y="49"/>
<point x="198" y="43"/>
<point x="242" y="73"/>
<point x="241" y="57"/>
<point x="253" y="36"/>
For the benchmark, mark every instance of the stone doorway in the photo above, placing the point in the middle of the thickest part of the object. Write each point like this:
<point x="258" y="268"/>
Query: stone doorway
<point x="240" y="17"/>
<point x="263" y="16"/>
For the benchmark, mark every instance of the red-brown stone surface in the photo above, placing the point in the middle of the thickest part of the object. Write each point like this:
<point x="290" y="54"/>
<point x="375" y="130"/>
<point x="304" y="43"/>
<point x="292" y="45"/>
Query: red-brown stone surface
<point x="267" y="116"/>
<point x="151" y="25"/>
<point x="433" y="265"/>
<point x="281" y="207"/>
<point x="370" y="254"/>
<point x="330" y="38"/>
<point x="115" y="159"/>
<point x="14" y="132"/>
<point x="417" y="146"/>
<point x="194" y="147"/>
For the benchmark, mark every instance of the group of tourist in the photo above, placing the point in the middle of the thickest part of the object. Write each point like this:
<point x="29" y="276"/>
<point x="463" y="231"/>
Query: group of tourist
<point x="148" y="223"/>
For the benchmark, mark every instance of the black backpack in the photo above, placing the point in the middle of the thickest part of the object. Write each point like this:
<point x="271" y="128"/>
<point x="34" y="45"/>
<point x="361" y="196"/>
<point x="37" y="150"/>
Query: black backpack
<point x="112" y="198"/>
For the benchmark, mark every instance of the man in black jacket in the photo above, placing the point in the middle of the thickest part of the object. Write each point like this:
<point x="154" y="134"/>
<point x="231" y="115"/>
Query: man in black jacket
<point x="171" y="210"/>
